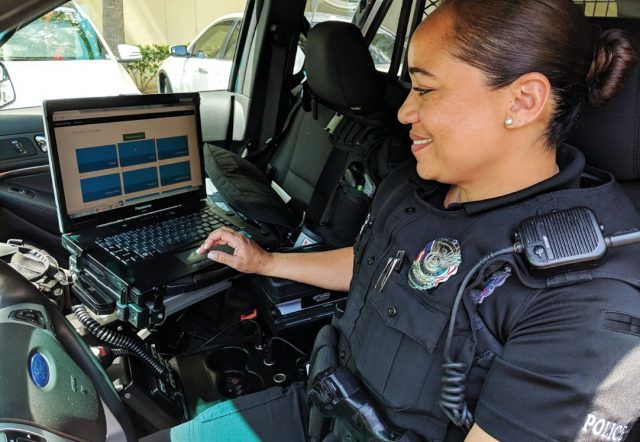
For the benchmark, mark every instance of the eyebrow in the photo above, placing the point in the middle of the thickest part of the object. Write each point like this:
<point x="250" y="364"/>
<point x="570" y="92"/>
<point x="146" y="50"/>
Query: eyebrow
<point x="417" y="70"/>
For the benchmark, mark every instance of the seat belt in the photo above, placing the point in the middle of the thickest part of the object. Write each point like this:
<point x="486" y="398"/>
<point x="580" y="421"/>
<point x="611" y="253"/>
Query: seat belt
<point x="272" y="143"/>
<point x="277" y="73"/>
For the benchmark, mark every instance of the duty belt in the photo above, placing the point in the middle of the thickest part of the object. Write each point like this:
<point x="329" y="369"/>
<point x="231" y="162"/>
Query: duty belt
<point x="337" y="394"/>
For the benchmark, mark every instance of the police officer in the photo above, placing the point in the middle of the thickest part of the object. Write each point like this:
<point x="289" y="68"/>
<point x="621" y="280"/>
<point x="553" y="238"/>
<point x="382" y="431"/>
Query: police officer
<point x="496" y="85"/>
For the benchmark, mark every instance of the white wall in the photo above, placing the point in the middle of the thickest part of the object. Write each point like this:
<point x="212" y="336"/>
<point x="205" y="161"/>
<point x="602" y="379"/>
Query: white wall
<point x="164" y="21"/>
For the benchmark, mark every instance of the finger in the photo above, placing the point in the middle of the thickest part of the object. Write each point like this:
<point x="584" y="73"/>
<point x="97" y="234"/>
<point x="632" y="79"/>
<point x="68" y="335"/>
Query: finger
<point x="218" y="236"/>
<point x="223" y="258"/>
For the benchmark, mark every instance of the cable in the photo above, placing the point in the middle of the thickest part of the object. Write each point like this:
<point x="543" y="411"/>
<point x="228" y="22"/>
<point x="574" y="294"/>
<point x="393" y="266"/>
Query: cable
<point x="452" y="394"/>
<point x="217" y="335"/>
<point x="577" y="240"/>
<point x="119" y="340"/>
<point x="279" y="339"/>
<point x="118" y="352"/>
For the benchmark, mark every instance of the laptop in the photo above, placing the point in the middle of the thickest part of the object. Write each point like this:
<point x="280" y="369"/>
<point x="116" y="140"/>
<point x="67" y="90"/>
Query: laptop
<point x="129" y="184"/>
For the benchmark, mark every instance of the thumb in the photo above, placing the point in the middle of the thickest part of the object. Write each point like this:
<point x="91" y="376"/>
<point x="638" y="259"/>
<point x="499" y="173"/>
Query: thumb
<point x="223" y="258"/>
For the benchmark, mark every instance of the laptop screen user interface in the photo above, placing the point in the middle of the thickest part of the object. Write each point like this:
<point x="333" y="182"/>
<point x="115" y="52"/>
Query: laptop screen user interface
<point x="110" y="158"/>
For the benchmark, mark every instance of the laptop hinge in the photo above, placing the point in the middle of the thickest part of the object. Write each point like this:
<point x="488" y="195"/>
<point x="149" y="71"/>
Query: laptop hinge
<point x="142" y="215"/>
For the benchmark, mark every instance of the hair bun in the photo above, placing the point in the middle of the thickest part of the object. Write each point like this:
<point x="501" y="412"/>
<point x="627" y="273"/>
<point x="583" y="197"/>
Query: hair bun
<point x="614" y="56"/>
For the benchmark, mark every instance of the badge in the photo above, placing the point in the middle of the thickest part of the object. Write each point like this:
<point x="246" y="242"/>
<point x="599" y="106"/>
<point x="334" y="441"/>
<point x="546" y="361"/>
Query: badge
<point x="435" y="264"/>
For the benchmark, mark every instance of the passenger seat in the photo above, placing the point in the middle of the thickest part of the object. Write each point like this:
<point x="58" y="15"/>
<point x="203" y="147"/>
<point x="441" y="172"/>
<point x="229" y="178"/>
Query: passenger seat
<point x="343" y="111"/>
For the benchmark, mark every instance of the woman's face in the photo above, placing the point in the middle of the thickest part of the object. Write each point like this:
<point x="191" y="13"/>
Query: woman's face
<point x="457" y="122"/>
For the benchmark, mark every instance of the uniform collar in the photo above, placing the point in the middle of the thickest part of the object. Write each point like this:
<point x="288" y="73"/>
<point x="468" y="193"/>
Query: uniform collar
<point x="570" y="161"/>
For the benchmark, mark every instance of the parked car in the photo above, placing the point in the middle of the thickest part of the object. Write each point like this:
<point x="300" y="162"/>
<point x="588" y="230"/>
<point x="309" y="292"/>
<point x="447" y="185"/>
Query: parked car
<point x="205" y="64"/>
<point x="62" y="54"/>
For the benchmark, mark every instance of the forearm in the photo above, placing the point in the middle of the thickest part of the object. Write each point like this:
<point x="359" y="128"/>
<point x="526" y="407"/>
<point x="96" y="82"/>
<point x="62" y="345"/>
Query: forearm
<point x="331" y="270"/>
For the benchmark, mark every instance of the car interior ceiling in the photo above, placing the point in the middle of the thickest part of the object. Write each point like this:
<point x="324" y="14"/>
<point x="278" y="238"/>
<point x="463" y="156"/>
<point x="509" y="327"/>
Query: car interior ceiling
<point x="259" y="105"/>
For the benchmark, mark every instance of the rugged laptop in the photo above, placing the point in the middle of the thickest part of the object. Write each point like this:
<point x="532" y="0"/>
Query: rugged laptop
<point x="129" y="184"/>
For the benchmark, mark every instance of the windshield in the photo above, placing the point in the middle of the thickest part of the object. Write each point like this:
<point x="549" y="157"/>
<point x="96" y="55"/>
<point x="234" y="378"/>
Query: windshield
<point x="62" y="34"/>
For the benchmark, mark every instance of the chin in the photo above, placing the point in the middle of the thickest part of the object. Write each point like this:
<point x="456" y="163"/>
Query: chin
<point x="425" y="172"/>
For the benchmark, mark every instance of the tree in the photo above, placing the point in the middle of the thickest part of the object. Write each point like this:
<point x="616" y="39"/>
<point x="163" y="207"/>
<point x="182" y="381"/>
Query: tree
<point x="113" y="22"/>
<point x="144" y="71"/>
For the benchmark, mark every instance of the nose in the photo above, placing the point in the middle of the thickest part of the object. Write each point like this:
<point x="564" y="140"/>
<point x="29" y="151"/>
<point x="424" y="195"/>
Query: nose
<point x="408" y="112"/>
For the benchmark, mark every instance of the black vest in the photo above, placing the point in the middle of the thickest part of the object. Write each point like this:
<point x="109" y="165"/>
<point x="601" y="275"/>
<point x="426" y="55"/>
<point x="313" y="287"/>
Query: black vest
<point x="393" y="338"/>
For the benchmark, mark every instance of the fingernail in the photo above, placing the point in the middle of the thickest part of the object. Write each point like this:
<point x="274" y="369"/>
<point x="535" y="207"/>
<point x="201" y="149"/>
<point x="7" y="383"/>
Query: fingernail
<point x="212" y="255"/>
<point x="199" y="250"/>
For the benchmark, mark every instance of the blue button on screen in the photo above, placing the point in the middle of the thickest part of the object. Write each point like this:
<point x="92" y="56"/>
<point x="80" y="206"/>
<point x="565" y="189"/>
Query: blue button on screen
<point x="39" y="370"/>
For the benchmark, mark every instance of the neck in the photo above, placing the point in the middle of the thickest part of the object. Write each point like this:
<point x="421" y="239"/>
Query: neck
<point x="505" y="178"/>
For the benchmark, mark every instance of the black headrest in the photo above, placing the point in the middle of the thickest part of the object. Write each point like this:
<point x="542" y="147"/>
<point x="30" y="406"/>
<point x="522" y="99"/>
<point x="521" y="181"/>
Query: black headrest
<point x="610" y="136"/>
<point x="340" y="70"/>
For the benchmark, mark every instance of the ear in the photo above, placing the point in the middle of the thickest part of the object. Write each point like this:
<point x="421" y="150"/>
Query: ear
<point x="530" y="99"/>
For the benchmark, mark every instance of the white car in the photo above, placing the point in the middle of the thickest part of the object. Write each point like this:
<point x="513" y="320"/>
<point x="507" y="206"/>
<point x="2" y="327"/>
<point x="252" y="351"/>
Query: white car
<point x="205" y="65"/>
<point x="62" y="55"/>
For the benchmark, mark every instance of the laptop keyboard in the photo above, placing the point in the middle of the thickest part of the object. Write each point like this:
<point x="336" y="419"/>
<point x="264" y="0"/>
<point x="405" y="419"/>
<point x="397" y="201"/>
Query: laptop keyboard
<point x="159" y="237"/>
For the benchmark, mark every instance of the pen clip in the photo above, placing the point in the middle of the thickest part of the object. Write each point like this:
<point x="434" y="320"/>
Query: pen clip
<point x="398" y="260"/>
<point x="393" y="264"/>
<point x="382" y="278"/>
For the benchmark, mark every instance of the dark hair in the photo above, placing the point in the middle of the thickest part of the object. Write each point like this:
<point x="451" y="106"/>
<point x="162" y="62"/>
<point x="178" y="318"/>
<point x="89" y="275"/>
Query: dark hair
<point x="509" y="38"/>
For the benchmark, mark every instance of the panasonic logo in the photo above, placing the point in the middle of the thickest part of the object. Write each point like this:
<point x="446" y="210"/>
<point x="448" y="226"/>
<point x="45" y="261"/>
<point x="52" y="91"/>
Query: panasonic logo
<point x="148" y="206"/>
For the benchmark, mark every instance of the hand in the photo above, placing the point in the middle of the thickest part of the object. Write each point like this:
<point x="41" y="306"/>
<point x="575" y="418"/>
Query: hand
<point x="248" y="257"/>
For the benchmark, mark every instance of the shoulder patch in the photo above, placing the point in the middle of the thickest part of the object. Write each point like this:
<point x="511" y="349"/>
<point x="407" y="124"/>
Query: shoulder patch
<point x="495" y="280"/>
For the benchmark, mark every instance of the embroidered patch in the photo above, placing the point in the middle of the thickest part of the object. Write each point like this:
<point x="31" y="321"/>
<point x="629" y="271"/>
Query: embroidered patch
<point x="599" y="428"/>
<point x="495" y="280"/>
<point x="436" y="263"/>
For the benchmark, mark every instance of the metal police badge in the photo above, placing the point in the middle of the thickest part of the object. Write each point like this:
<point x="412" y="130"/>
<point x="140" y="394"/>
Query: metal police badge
<point x="435" y="264"/>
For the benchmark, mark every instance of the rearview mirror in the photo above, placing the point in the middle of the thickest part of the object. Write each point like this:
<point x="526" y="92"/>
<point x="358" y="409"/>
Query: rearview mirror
<point x="128" y="53"/>
<point x="7" y="92"/>
<point x="178" y="51"/>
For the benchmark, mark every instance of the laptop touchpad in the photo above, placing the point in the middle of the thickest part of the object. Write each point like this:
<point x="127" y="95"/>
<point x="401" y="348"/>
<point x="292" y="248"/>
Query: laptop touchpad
<point x="192" y="258"/>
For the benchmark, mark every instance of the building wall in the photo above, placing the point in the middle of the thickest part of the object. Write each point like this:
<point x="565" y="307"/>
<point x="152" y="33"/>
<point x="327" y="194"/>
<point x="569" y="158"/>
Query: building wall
<point x="164" y="21"/>
<point x="179" y="21"/>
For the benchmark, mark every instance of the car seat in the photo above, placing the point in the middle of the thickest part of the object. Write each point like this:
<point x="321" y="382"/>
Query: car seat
<point x="341" y="121"/>
<point x="609" y="136"/>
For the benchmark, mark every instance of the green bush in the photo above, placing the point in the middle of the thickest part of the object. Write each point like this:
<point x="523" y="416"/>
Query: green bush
<point x="144" y="72"/>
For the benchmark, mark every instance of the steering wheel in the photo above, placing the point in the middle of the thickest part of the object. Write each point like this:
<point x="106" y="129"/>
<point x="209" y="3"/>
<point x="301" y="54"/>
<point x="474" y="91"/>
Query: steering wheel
<point x="52" y="387"/>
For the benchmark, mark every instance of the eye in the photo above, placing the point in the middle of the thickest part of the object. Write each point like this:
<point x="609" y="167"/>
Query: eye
<point x="422" y="91"/>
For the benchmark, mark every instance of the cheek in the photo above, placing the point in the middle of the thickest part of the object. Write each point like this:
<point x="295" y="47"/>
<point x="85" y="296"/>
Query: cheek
<point x="463" y="131"/>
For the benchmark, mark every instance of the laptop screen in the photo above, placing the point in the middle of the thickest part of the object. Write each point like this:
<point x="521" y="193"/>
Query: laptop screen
<point x="117" y="157"/>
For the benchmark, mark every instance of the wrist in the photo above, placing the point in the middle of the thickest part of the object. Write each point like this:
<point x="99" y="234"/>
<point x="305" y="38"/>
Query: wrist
<point x="268" y="265"/>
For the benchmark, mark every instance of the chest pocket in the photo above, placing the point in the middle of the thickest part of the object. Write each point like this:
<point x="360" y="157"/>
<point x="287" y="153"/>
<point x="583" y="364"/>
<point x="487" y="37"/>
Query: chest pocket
<point x="400" y="359"/>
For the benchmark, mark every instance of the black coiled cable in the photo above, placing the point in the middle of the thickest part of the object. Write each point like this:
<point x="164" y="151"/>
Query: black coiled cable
<point x="117" y="352"/>
<point x="119" y="340"/>
<point x="454" y="379"/>
<point x="452" y="394"/>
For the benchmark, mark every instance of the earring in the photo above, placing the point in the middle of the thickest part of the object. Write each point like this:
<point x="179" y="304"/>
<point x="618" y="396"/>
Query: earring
<point x="508" y="122"/>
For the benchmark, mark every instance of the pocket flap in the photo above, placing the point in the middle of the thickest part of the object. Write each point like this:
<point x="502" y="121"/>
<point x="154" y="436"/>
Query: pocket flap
<point x="407" y="311"/>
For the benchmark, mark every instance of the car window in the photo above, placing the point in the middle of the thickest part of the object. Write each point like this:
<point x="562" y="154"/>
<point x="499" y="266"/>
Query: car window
<point x="381" y="48"/>
<point x="609" y="8"/>
<point x="232" y="43"/>
<point x="382" y="44"/>
<point x="62" y="34"/>
<point x="317" y="11"/>
<point x="209" y="45"/>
